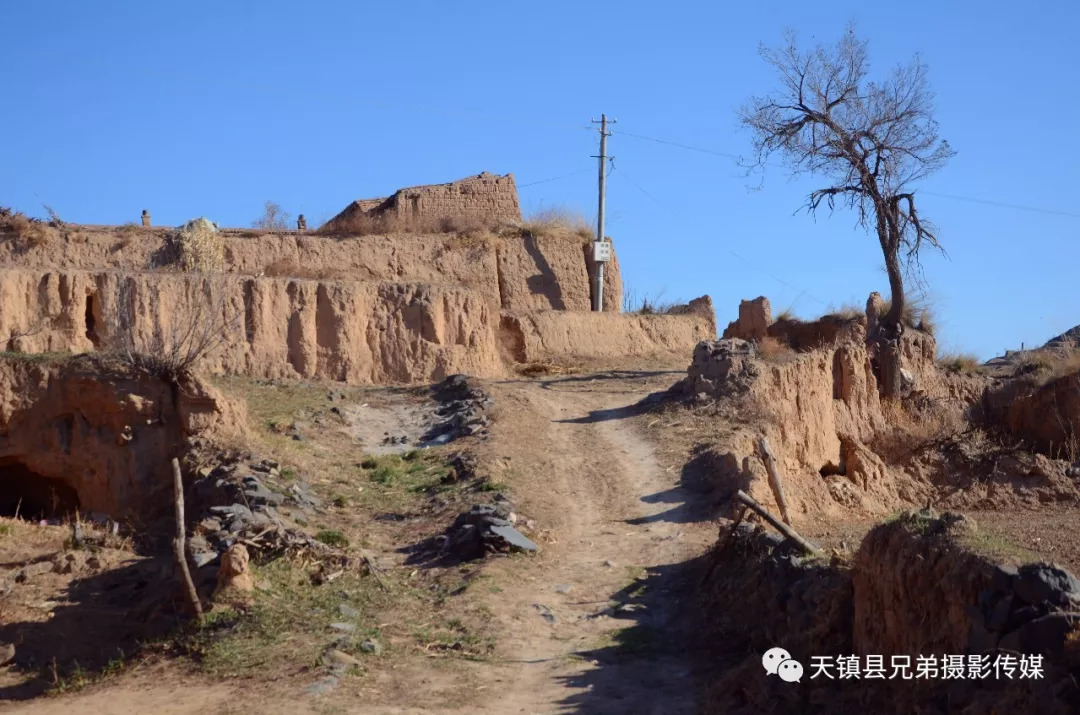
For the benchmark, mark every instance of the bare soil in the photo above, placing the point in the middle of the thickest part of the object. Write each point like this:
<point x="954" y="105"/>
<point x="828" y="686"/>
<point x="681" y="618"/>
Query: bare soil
<point x="591" y="624"/>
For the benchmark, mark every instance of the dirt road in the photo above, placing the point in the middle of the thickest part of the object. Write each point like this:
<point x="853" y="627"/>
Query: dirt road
<point x="590" y="625"/>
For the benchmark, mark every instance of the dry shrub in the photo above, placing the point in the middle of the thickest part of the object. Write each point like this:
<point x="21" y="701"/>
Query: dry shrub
<point x="647" y="305"/>
<point x="273" y="218"/>
<point x="846" y="312"/>
<point x="557" y="220"/>
<point x="546" y="368"/>
<point x="285" y="268"/>
<point x="909" y="426"/>
<point x="918" y="315"/>
<point x="197" y="246"/>
<point x="1047" y="364"/>
<point x="183" y="336"/>
<point x="961" y="363"/>
<point x="29" y="232"/>
<point x="772" y="350"/>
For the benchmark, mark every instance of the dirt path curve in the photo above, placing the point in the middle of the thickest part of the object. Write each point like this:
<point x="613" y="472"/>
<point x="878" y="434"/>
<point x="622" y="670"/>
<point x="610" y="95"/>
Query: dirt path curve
<point x="623" y="533"/>
<point x="578" y="462"/>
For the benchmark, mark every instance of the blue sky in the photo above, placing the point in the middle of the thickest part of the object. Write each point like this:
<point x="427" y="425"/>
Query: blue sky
<point x="211" y="108"/>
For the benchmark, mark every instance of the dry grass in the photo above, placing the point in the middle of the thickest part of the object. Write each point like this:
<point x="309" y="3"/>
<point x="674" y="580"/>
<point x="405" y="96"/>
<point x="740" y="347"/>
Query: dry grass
<point x="557" y="220"/>
<point x="29" y="232"/>
<point x="197" y="246"/>
<point x="285" y="268"/>
<point x="772" y="350"/>
<point x="846" y="312"/>
<point x="960" y="363"/>
<point x="543" y="368"/>
<point x="909" y="429"/>
<point x="647" y="305"/>
<point x="1048" y="364"/>
<point x="918" y="314"/>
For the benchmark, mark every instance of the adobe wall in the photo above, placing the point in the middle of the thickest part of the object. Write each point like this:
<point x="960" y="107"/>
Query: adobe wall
<point x="513" y="272"/>
<point x="485" y="199"/>
<point x="106" y="433"/>
<point x="553" y="336"/>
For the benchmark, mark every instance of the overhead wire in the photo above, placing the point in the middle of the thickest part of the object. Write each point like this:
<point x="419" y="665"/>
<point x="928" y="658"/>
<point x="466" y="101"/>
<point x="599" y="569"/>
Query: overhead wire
<point x="955" y="197"/>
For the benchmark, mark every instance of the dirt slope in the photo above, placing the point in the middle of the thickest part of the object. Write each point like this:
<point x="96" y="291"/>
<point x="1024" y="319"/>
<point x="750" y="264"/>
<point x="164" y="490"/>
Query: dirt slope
<point x="618" y="531"/>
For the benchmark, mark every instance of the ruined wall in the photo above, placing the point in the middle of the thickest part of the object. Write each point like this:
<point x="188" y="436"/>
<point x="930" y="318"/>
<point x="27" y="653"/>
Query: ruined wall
<point x="916" y="587"/>
<point x="552" y="335"/>
<point x="512" y="271"/>
<point x="485" y="200"/>
<point x="360" y="332"/>
<point x="107" y="433"/>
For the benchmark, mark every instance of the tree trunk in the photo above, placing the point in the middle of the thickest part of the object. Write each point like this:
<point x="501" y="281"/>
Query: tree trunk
<point x="890" y="326"/>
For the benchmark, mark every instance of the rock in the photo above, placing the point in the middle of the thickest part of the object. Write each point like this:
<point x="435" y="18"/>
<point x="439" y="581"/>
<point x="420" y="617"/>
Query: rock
<point x="7" y="653"/>
<point x="1038" y="583"/>
<point x="1044" y="635"/>
<point x="545" y="612"/>
<point x="564" y="588"/>
<point x="262" y="496"/>
<point x="324" y="686"/>
<point x="514" y="538"/>
<point x="210" y="524"/>
<point x="337" y="658"/>
<point x="1003" y="578"/>
<point x="370" y="645"/>
<point x="348" y="611"/>
<point x="344" y="627"/>
<point x="234" y="583"/>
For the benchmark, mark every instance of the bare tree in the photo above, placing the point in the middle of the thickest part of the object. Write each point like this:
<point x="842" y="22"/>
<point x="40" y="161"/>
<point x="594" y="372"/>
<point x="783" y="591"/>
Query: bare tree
<point x="872" y="140"/>
<point x="195" y="328"/>
<point x="273" y="218"/>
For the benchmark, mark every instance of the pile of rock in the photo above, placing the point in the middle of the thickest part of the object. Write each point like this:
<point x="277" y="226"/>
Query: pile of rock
<point x="462" y="411"/>
<point x="233" y="503"/>
<point x="1032" y="609"/>
<point x="484" y="529"/>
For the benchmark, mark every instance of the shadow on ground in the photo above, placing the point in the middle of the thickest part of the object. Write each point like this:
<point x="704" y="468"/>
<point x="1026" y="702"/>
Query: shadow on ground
<point x="649" y="665"/>
<point x="104" y="622"/>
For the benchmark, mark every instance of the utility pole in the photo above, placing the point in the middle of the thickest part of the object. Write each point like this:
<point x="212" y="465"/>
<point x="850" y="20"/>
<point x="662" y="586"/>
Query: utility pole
<point x="601" y="250"/>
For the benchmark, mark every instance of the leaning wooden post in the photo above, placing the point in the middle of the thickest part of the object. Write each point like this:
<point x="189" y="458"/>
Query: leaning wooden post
<point x="777" y="486"/>
<point x="776" y="523"/>
<point x="178" y="543"/>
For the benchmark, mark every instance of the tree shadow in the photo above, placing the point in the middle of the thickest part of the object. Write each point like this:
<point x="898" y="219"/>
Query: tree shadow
<point x="651" y="664"/>
<point x="696" y="498"/>
<point x="104" y="622"/>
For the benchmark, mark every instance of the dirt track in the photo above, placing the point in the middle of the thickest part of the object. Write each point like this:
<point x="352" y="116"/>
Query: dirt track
<point x="579" y="466"/>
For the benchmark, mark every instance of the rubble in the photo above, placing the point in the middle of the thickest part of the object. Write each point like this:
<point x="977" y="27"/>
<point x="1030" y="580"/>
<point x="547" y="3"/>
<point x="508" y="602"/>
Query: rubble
<point x="484" y="529"/>
<point x="462" y="409"/>
<point x="721" y="367"/>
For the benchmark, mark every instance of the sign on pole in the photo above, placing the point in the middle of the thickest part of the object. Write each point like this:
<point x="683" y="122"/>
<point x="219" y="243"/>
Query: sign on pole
<point x="601" y="251"/>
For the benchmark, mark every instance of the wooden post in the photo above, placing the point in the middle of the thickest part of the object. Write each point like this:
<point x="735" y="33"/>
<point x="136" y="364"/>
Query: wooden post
<point x="776" y="523"/>
<point x="178" y="544"/>
<point x="777" y="486"/>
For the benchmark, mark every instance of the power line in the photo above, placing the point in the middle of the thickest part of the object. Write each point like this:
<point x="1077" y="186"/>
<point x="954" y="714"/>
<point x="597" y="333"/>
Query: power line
<point x="1002" y="204"/>
<point x="554" y="178"/>
<point x="971" y="199"/>
<point x="802" y="291"/>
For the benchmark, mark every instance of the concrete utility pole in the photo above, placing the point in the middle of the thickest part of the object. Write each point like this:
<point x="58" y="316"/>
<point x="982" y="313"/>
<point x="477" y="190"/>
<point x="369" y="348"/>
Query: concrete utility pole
<point x="601" y="250"/>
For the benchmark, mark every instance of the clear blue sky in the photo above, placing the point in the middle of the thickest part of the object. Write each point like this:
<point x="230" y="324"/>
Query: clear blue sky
<point x="211" y="108"/>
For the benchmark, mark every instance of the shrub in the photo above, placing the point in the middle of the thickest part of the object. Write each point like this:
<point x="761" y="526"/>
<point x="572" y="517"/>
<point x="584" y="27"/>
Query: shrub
<point x="29" y="232"/>
<point x="196" y="246"/>
<point x="332" y="537"/>
<point x="556" y="219"/>
<point x="917" y="315"/>
<point x="960" y="363"/>
<point x="773" y="350"/>
<point x="647" y="305"/>
<point x="189" y="332"/>
<point x="273" y="218"/>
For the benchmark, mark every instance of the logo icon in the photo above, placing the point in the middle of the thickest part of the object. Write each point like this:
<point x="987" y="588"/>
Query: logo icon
<point x="778" y="661"/>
